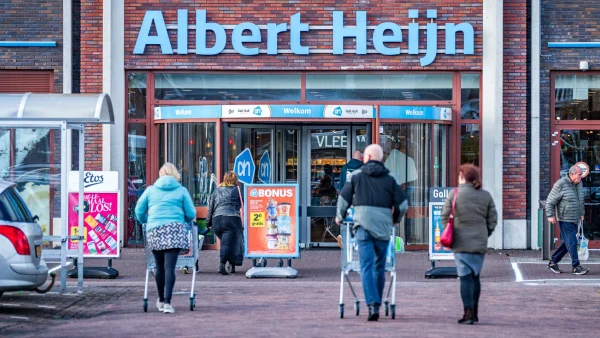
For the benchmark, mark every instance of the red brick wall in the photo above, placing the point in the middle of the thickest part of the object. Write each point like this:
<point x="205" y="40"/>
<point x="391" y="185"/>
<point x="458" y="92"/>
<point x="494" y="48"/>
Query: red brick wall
<point x="91" y="74"/>
<point x="229" y="12"/>
<point x="515" y="109"/>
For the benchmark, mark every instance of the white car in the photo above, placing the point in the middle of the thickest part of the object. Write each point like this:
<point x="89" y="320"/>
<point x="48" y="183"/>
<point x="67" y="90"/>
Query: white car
<point x="21" y="265"/>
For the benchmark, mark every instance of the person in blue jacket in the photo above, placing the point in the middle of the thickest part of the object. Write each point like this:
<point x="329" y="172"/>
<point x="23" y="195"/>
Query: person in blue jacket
<point x="355" y="163"/>
<point x="165" y="207"/>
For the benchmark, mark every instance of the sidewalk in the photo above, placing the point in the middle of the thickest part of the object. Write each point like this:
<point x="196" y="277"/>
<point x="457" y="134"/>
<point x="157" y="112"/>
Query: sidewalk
<point x="323" y="265"/>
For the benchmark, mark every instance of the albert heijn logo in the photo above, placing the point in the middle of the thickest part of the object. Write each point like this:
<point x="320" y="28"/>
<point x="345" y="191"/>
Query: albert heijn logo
<point x="338" y="111"/>
<point x="244" y="167"/>
<point x="257" y="111"/>
<point x="254" y="193"/>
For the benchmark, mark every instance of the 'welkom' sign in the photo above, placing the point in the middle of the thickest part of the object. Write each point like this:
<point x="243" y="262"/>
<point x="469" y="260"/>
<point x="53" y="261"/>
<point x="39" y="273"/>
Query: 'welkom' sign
<point x="247" y="32"/>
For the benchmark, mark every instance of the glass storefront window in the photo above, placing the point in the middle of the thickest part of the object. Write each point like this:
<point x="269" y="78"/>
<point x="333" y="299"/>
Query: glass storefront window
<point x="377" y="87"/>
<point x="136" y="178"/>
<point x="577" y="97"/>
<point x="469" y="144"/>
<point x="228" y="87"/>
<point x="136" y="95"/>
<point x="191" y="148"/>
<point x="441" y="155"/>
<point x="258" y="140"/>
<point x="469" y="93"/>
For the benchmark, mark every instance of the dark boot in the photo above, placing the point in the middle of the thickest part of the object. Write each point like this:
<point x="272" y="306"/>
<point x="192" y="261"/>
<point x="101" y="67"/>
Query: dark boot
<point x="475" y="318"/>
<point x="231" y="268"/>
<point x="467" y="317"/>
<point x="373" y="313"/>
<point x="222" y="269"/>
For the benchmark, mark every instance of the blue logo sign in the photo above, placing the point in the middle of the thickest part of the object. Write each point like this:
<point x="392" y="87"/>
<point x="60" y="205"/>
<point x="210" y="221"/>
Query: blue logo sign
<point x="342" y="27"/>
<point x="338" y="111"/>
<point x="257" y="111"/>
<point x="253" y="193"/>
<point x="264" y="168"/>
<point x="415" y="113"/>
<point x="244" y="167"/>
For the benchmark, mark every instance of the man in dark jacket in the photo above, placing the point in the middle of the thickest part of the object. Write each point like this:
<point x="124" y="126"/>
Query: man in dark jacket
<point x="567" y="197"/>
<point x="348" y="168"/>
<point x="379" y="202"/>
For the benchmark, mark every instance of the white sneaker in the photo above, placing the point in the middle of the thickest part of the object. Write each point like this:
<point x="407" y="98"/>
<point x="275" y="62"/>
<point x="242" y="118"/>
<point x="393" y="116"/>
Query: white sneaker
<point x="160" y="305"/>
<point x="168" y="309"/>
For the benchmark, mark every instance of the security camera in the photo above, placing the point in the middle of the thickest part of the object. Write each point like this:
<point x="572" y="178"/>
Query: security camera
<point x="584" y="65"/>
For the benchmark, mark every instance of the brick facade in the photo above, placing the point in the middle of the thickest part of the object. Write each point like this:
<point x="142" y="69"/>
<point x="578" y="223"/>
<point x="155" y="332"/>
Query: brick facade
<point x="91" y="74"/>
<point x="562" y="22"/>
<point x="20" y="21"/>
<point x="515" y="114"/>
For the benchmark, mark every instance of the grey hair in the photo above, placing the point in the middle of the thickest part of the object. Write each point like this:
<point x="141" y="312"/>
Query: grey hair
<point x="573" y="170"/>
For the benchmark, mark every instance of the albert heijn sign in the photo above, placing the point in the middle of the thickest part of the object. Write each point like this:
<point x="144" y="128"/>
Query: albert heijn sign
<point x="388" y="38"/>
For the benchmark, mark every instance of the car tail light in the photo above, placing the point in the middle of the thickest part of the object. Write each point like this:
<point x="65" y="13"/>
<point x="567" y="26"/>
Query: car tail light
<point x="17" y="238"/>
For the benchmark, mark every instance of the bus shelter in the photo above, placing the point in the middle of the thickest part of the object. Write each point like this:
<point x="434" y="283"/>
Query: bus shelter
<point x="63" y="112"/>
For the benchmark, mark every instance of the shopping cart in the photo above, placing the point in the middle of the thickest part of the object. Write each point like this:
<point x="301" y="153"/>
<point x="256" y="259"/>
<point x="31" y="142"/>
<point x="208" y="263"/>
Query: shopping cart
<point x="350" y="262"/>
<point x="185" y="259"/>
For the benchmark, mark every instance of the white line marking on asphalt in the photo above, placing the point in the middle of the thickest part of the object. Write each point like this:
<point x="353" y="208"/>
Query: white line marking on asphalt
<point x="17" y="317"/>
<point x="58" y="267"/>
<point x="5" y="304"/>
<point x="566" y="280"/>
<point x="47" y="306"/>
<point x="518" y="274"/>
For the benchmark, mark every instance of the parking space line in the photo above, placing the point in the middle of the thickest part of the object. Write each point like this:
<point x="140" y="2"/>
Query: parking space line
<point x="58" y="267"/>
<point x="518" y="275"/>
<point x="6" y="304"/>
<point x="47" y="306"/>
<point x="18" y="317"/>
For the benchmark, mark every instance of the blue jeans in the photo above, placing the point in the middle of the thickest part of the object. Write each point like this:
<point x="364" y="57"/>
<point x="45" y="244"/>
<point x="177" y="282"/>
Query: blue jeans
<point x="568" y="234"/>
<point x="372" y="253"/>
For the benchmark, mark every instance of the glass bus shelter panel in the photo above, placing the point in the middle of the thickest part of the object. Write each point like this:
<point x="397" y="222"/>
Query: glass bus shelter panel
<point x="328" y="154"/>
<point x="407" y="154"/>
<point x="584" y="146"/>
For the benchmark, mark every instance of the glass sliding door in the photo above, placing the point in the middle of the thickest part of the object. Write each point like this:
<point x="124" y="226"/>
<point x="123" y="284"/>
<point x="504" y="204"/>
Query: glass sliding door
<point x="258" y="139"/>
<point x="417" y="154"/>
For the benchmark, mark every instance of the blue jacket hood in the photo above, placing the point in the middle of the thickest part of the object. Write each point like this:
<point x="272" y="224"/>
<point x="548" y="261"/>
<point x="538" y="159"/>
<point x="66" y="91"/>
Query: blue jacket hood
<point x="354" y="164"/>
<point x="167" y="183"/>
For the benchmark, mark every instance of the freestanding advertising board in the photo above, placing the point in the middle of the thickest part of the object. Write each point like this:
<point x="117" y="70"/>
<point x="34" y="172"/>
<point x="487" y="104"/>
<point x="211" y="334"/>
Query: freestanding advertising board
<point x="271" y="221"/>
<point x="100" y="221"/>
<point x="437" y="197"/>
<point x="437" y="252"/>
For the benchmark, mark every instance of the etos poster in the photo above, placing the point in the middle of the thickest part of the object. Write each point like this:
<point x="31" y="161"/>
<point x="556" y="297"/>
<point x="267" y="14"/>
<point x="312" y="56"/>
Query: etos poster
<point x="271" y="220"/>
<point x="100" y="223"/>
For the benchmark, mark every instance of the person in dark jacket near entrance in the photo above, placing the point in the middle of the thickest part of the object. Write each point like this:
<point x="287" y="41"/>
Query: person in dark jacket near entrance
<point x="355" y="163"/>
<point x="475" y="219"/>
<point x="567" y="197"/>
<point x="379" y="202"/>
<point x="225" y="219"/>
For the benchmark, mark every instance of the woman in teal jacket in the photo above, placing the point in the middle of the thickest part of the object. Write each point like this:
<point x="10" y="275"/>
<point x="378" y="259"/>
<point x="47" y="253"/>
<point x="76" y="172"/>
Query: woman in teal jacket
<point x="165" y="207"/>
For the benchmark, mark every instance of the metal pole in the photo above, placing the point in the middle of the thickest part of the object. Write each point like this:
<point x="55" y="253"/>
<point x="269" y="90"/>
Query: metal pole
<point x="63" y="206"/>
<point x="80" y="213"/>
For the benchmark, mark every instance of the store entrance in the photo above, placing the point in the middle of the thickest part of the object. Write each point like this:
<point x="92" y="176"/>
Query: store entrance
<point x="309" y="155"/>
<point x="581" y="146"/>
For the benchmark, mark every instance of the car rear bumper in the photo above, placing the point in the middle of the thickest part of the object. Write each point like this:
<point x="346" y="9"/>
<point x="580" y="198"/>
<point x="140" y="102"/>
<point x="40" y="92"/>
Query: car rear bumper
<point x="23" y="276"/>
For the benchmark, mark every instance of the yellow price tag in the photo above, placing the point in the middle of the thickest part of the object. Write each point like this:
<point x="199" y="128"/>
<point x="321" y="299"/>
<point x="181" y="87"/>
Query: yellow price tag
<point x="257" y="219"/>
<point x="75" y="232"/>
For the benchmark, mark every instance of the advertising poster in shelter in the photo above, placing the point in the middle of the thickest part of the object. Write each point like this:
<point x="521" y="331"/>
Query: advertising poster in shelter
<point x="271" y="220"/>
<point x="100" y="223"/>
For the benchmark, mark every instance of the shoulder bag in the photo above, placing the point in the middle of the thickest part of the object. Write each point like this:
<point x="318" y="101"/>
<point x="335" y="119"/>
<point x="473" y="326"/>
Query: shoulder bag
<point x="447" y="238"/>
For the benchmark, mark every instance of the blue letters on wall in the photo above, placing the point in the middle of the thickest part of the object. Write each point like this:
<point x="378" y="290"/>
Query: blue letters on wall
<point x="246" y="35"/>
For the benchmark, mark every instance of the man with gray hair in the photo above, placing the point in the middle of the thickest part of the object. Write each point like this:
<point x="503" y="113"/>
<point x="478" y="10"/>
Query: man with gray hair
<point x="567" y="198"/>
<point x="379" y="202"/>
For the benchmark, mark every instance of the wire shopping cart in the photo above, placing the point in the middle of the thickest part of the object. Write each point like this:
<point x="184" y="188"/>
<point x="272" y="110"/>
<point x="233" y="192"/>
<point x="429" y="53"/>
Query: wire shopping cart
<point x="186" y="259"/>
<point x="351" y="262"/>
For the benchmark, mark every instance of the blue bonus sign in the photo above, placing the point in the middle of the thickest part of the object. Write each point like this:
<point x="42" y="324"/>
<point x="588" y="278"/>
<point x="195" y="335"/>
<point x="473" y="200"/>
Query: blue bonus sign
<point x="264" y="168"/>
<point x="244" y="167"/>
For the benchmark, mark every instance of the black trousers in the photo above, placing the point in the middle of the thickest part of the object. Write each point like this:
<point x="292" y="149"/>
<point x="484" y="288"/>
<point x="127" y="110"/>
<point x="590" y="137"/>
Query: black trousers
<point x="229" y="231"/>
<point x="165" y="273"/>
